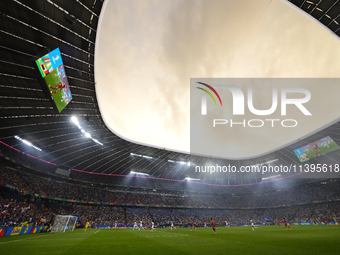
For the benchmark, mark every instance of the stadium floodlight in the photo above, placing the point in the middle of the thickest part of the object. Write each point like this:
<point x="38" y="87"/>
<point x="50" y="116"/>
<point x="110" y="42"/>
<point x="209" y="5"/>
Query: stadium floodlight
<point x="75" y="121"/>
<point x="138" y="173"/>
<point x="134" y="154"/>
<point x="270" y="161"/>
<point x="179" y="162"/>
<point x="27" y="143"/>
<point x="147" y="157"/>
<point x="271" y="177"/>
<point x="96" y="141"/>
<point x="191" y="179"/>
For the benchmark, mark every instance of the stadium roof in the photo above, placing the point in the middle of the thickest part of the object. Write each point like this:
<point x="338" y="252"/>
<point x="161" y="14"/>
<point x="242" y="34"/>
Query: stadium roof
<point x="28" y="28"/>
<point x="327" y="12"/>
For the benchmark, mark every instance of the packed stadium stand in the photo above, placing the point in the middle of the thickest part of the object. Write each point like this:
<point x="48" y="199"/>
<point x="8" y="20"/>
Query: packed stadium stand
<point x="34" y="196"/>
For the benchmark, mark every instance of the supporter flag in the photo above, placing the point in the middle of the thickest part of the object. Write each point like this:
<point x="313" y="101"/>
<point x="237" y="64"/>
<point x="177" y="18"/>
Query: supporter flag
<point x="4" y="211"/>
<point x="26" y="208"/>
<point x="16" y="208"/>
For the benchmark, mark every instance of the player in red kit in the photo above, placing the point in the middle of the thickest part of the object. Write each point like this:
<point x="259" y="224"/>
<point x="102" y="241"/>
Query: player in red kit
<point x="286" y="224"/>
<point x="59" y="86"/>
<point x="192" y="225"/>
<point x="278" y="223"/>
<point x="316" y="149"/>
<point x="213" y="225"/>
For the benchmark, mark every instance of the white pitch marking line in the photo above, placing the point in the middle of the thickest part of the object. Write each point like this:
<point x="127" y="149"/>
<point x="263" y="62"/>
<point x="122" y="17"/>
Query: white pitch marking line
<point x="96" y="232"/>
<point x="23" y="239"/>
<point x="61" y="239"/>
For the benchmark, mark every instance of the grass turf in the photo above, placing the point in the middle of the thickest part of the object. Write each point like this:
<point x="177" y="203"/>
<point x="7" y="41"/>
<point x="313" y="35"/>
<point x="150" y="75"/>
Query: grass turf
<point x="234" y="240"/>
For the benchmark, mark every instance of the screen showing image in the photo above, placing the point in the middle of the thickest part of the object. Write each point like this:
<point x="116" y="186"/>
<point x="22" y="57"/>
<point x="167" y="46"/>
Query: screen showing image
<point x="315" y="149"/>
<point x="52" y="70"/>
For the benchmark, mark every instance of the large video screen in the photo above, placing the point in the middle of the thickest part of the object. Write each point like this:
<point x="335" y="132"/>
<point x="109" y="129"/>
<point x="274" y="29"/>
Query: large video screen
<point x="51" y="68"/>
<point x="315" y="149"/>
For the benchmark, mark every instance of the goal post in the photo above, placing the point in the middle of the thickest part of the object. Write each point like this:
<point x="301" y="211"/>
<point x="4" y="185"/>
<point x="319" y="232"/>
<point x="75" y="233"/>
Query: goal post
<point x="63" y="223"/>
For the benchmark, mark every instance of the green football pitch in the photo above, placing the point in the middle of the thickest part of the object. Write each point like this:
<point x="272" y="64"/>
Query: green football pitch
<point x="234" y="240"/>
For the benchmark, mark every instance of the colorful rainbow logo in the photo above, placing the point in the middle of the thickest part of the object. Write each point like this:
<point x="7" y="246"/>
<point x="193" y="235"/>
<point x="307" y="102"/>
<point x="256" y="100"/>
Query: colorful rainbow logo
<point x="212" y="89"/>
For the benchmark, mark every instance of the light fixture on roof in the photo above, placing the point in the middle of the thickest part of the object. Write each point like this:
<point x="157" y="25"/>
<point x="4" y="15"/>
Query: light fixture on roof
<point x="96" y="141"/>
<point x="27" y="143"/>
<point x="271" y="161"/>
<point x="141" y="156"/>
<point x="179" y="162"/>
<point x="271" y="177"/>
<point x="75" y="121"/>
<point x="191" y="179"/>
<point x="138" y="173"/>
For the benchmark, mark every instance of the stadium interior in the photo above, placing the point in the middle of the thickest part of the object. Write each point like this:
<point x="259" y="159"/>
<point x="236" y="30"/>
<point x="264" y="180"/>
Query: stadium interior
<point x="50" y="166"/>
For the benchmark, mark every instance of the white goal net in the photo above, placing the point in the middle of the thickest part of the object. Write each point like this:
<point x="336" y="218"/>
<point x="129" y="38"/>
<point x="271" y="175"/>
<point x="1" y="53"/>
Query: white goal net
<point x="63" y="223"/>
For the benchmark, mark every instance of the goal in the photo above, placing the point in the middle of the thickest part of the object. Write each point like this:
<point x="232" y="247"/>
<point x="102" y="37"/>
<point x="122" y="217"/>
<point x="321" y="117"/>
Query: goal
<point x="62" y="223"/>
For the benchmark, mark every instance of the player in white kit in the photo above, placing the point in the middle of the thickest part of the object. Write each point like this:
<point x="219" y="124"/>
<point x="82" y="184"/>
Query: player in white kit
<point x="115" y="224"/>
<point x="152" y="226"/>
<point x="135" y="226"/>
<point x="140" y="225"/>
<point x="172" y="225"/>
<point x="252" y="225"/>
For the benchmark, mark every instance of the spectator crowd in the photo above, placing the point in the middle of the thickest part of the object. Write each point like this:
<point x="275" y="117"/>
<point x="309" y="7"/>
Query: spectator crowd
<point x="295" y="203"/>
